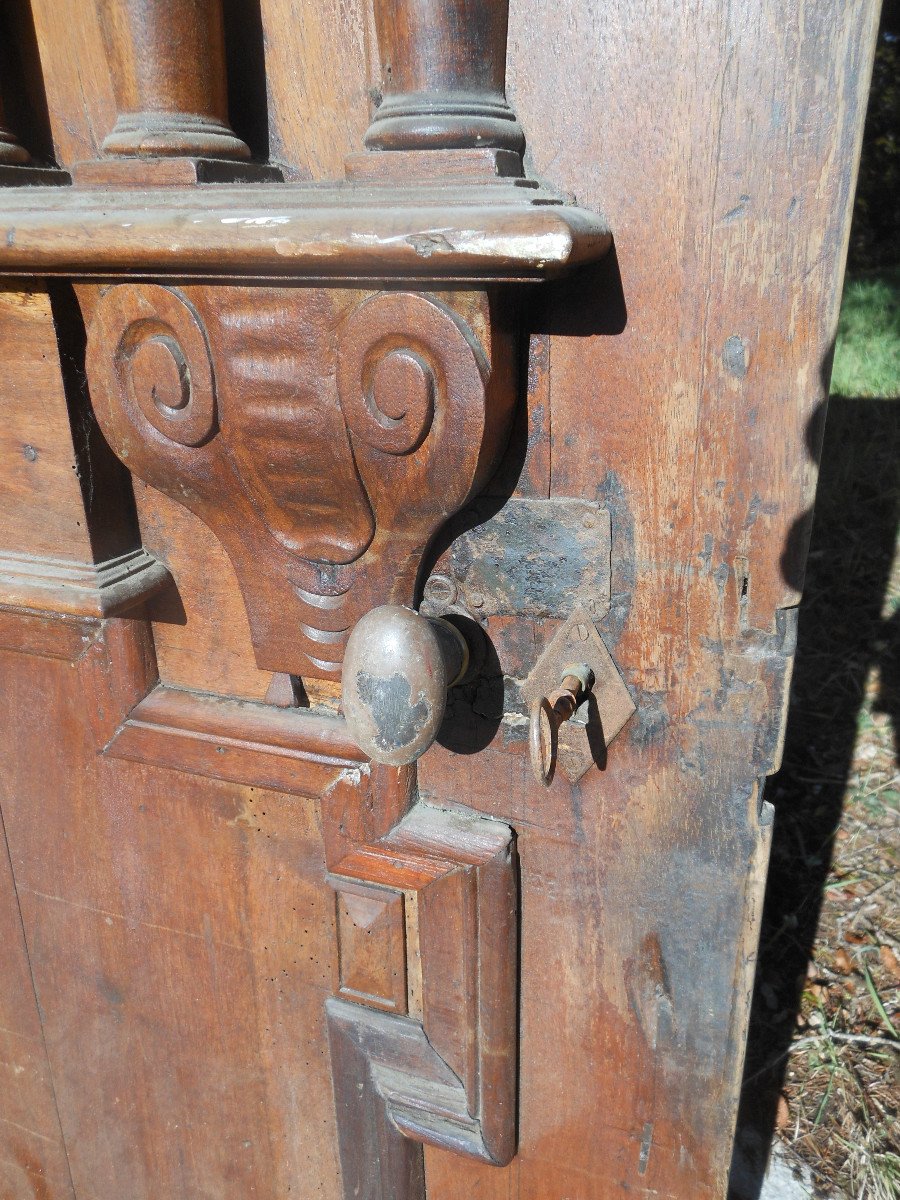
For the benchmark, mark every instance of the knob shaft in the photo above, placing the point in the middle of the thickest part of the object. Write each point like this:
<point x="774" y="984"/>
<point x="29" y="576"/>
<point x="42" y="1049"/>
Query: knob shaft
<point x="398" y="667"/>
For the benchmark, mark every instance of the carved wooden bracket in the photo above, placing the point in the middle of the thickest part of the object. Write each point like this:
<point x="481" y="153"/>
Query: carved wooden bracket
<point x="323" y="435"/>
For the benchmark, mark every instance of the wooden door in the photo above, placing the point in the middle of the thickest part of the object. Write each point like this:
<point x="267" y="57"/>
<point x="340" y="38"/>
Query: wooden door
<point x="409" y="420"/>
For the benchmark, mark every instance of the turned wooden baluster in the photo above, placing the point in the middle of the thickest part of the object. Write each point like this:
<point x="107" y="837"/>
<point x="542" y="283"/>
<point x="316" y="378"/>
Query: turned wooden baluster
<point x="17" y="167"/>
<point x="443" y="77"/>
<point x="167" y="59"/>
<point x="11" y="152"/>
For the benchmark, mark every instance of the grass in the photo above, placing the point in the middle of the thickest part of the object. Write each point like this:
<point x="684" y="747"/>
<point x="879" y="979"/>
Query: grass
<point x="823" y="1062"/>
<point x="867" y="357"/>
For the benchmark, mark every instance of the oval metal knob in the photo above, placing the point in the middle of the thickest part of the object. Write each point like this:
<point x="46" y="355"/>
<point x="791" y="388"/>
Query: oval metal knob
<point x="398" y="667"/>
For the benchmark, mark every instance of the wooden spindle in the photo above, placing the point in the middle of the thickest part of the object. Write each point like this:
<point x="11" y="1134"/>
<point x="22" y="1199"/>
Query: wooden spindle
<point x="11" y="152"/>
<point x="17" y="167"/>
<point x="167" y="59"/>
<point x="443" y="77"/>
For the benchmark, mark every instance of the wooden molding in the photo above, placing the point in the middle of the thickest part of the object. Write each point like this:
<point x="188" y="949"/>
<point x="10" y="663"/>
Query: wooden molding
<point x="31" y="176"/>
<point x="441" y="1068"/>
<point x="261" y="745"/>
<point x="423" y="1023"/>
<point x="46" y="635"/>
<point x="502" y="231"/>
<point x="103" y="589"/>
<point x="104" y="174"/>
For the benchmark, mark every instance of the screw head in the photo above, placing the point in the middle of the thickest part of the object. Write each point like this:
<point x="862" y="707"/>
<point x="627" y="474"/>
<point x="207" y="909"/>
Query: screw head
<point x="440" y="589"/>
<point x="476" y="600"/>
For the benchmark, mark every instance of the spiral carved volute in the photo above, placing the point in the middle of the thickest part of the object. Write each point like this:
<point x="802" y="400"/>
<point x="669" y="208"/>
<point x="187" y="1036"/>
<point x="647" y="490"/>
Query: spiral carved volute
<point x="160" y="364"/>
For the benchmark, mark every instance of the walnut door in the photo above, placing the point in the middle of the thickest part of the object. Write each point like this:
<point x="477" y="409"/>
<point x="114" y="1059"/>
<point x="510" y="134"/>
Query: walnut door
<point x="409" y="421"/>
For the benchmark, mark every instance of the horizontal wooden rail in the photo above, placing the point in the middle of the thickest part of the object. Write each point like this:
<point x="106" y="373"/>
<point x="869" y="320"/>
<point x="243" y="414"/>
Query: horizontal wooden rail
<point x="347" y="232"/>
<point x="290" y="750"/>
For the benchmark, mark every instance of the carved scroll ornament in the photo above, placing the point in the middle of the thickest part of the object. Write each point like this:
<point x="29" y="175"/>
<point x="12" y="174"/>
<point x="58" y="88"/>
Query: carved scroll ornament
<point x="324" y="436"/>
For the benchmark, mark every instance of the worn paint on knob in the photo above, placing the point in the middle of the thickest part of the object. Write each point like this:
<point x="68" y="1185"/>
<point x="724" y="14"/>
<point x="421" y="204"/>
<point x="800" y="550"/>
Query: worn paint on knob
<point x="397" y="669"/>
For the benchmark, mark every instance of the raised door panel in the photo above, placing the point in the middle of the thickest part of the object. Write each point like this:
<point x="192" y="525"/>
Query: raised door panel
<point x="182" y="945"/>
<point x="32" y="1155"/>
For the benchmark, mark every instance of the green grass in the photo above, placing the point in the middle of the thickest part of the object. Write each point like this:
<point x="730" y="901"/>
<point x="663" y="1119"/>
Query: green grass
<point x="867" y="355"/>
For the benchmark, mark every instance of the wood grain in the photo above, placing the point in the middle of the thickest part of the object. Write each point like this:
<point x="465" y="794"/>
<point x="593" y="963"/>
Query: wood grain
<point x="222" y="966"/>
<point x="167" y="63"/>
<point x="444" y="1075"/>
<point x="32" y="1154"/>
<point x="442" y="78"/>
<point x="181" y="927"/>
<point x="41" y="509"/>
<point x="79" y="88"/>
<point x="318" y="79"/>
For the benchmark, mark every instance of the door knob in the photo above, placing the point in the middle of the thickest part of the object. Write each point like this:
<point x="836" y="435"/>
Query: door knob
<point x="398" y="667"/>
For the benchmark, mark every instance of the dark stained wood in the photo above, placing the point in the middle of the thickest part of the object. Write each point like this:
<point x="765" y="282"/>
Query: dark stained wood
<point x="11" y="152"/>
<point x="200" y="627"/>
<point x="81" y="102"/>
<point x="67" y="541"/>
<point x="371" y="946"/>
<point x="227" y="985"/>
<point x="179" y="856"/>
<point x="176" y="171"/>
<point x="45" y="635"/>
<point x="17" y="168"/>
<point x="435" y="165"/>
<point x="247" y="743"/>
<point x="103" y="589"/>
<point x="446" y="1074"/>
<point x="40" y="503"/>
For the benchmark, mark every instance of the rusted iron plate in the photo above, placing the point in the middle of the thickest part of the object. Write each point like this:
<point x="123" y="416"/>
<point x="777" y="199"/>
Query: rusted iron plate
<point x="583" y="740"/>
<point x="532" y="558"/>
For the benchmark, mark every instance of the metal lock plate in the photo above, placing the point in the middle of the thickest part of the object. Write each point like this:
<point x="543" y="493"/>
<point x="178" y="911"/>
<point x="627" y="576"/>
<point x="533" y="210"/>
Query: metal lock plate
<point x="531" y="558"/>
<point x="584" y="738"/>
